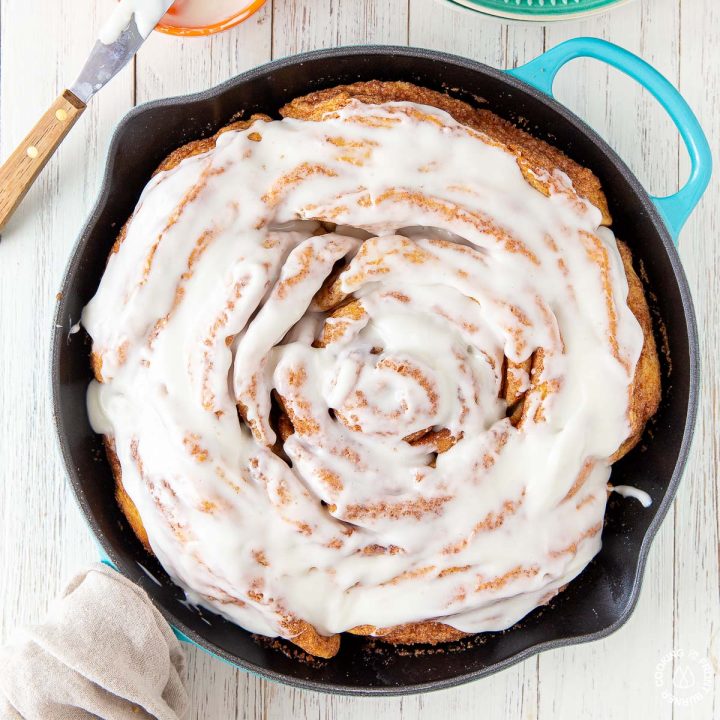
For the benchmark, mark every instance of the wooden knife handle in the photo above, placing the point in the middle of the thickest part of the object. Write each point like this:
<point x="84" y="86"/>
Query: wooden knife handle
<point x="19" y="171"/>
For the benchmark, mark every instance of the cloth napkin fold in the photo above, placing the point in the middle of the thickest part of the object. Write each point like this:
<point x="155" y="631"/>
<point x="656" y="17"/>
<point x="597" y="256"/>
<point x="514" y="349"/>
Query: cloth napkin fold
<point x="103" y="651"/>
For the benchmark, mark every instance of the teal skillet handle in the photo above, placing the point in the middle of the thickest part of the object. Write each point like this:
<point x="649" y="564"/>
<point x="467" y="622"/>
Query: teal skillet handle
<point x="674" y="209"/>
<point x="105" y="560"/>
<point x="179" y="634"/>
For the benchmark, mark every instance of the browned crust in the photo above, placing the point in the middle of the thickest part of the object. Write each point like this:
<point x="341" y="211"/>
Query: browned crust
<point x="533" y="156"/>
<point x="305" y="636"/>
<point x="123" y="499"/>
<point x="96" y="365"/>
<point x="426" y="633"/>
<point x="646" y="390"/>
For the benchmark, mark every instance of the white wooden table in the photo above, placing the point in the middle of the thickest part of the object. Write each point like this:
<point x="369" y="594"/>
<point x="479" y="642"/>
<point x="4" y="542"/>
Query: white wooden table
<point x="43" y="538"/>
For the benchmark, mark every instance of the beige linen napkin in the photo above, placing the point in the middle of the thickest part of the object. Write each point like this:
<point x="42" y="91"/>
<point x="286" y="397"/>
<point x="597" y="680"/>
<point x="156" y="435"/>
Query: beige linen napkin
<point x="104" y="651"/>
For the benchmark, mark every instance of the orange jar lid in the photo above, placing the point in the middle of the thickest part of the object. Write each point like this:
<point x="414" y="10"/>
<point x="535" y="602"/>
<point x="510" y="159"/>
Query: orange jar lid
<point x="205" y="17"/>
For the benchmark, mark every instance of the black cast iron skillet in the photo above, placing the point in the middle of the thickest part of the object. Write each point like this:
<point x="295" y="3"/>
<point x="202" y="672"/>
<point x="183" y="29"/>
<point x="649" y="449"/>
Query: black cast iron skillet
<point x="601" y="599"/>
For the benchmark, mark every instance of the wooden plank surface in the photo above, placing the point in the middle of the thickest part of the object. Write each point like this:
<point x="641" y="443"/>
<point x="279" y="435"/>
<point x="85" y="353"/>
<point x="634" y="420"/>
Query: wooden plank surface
<point x="43" y="538"/>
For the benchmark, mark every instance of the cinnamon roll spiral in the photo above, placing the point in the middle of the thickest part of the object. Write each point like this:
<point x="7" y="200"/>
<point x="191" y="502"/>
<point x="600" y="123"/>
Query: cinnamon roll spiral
<point x="366" y="368"/>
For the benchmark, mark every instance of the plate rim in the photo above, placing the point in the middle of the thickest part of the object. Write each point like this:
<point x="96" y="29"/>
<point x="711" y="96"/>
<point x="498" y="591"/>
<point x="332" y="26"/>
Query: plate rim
<point x="553" y="16"/>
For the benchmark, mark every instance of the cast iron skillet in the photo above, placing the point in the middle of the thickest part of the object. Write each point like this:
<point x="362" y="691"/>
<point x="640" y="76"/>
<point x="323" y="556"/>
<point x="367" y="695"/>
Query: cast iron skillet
<point x="601" y="599"/>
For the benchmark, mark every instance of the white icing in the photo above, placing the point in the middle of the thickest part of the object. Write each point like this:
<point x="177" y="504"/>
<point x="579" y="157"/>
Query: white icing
<point x="147" y="15"/>
<point x="629" y="491"/>
<point x="497" y="526"/>
<point x="201" y="13"/>
<point x="149" y="574"/>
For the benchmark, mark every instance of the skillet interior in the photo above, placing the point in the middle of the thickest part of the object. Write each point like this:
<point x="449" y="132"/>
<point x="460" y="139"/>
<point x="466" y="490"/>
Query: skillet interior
<point x="596" y="603"/>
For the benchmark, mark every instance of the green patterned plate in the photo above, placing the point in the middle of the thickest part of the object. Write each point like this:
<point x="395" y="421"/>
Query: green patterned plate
<point x="541" y="10"/>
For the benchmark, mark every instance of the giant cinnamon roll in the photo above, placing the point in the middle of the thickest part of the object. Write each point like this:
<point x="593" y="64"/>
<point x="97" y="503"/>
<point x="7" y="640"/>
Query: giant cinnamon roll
<point x="365" y="369"/>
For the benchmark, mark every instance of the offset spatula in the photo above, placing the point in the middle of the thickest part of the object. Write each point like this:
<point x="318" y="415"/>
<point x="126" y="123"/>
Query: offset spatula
<point x="121" y="37"/>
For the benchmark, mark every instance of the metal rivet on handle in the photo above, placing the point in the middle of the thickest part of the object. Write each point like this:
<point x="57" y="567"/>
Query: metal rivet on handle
<point x="32" y="151"/>
<point x="61" y="115"/>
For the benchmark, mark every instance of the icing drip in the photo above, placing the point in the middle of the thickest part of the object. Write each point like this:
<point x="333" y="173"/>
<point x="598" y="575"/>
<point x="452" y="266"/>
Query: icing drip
<point x="405" y="493"/>
<point x="632" y="492"/>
